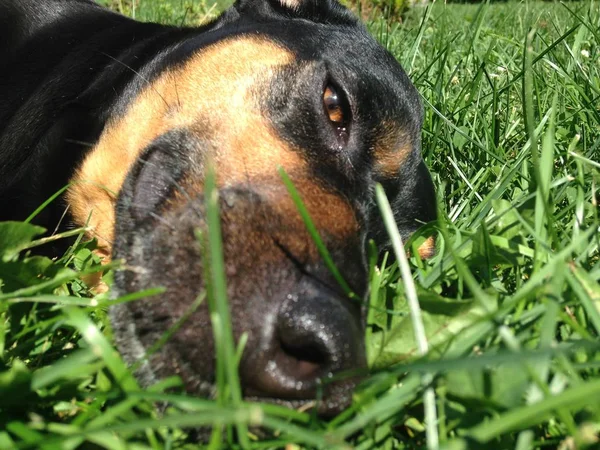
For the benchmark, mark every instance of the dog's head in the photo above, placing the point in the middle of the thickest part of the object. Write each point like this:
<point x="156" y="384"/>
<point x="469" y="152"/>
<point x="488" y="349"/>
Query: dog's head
<point x="296" y="84"/>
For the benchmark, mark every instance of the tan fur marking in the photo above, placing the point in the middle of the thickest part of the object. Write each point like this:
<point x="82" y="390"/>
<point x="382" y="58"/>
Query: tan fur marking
<point x="427" y="249"/>
<point x="331" y="214"/>
<point x="211" y="94"/>
<point x="391" y="150"/>
<point x="293" y="4"/>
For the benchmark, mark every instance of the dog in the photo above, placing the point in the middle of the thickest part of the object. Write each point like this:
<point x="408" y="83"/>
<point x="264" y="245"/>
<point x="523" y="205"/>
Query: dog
<point x="130" y="115"/>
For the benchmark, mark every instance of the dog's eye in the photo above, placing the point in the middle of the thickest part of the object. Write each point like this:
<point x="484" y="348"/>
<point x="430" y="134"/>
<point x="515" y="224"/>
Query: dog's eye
<point x="333" y="106"/>
<point x="337" y="111"/>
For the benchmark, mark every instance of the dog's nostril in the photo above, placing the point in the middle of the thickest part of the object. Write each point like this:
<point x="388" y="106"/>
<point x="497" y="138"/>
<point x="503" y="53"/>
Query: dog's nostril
<point x="306" y="361"/>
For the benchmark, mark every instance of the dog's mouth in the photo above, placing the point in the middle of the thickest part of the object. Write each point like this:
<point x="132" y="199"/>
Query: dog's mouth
<point x="326" y="408"/>
<point x="326" y="397"/>
<point x="330" y="397"/>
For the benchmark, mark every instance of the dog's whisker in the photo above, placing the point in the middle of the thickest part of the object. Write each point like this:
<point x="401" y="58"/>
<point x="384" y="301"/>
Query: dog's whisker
<point x="195" y="208"/>
<point x="83" y="143"/>
<point x="60" y="221"/>
<point x="139" y="75"/>
<point x="94" y="233"/>
<point x="162" y="220"/>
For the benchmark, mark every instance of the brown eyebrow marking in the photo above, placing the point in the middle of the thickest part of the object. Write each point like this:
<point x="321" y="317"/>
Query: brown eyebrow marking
<point x="393" y="145"/>
<point x="214" y="95"/>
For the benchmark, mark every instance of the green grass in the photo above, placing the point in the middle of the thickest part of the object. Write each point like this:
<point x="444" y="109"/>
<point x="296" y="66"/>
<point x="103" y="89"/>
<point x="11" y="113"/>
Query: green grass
<point x="510" y="304"/>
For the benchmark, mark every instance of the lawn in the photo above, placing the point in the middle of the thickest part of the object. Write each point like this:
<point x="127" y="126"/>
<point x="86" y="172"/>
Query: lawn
<point x="510" y="303"/>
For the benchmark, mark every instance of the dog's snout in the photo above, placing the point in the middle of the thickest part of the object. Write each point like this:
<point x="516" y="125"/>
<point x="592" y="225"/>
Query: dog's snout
<point x="314" y="335"/>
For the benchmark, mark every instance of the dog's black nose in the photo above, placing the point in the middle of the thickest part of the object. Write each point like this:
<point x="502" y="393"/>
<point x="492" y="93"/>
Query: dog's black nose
<point x="314" y="335"/>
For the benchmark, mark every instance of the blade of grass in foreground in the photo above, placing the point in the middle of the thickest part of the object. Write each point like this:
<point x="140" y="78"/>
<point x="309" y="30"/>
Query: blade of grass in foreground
<point x="217" y="294"/>
<point x="571" y="399"/>
<point x="46" y="203"/>
<point x="314" y="234"/>
<point x="391" y="226"/>
<point x="382" y="409"/>
<point x="101" y="347"/>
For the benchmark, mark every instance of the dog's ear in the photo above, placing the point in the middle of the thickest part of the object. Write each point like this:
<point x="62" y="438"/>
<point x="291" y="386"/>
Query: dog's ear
<point x="320" y="11"/>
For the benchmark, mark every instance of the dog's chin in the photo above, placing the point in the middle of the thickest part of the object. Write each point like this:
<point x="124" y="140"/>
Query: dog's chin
<point x="329" y="402"/>
<point x="339" y="398"/>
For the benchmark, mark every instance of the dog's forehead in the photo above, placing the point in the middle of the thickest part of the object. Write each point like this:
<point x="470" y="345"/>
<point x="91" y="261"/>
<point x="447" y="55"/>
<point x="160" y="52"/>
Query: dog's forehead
<point x="348" y="46"/>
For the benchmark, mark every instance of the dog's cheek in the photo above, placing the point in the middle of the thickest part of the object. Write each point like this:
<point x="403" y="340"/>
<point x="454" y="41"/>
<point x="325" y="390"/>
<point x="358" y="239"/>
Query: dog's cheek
<point x="155" y="242"/>
<point x="167" y="258"/>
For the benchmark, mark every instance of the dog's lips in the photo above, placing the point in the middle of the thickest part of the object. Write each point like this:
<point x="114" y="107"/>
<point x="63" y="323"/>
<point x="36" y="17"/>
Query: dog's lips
<point x="329" y="398"/>
<point x="326" y="406"/>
